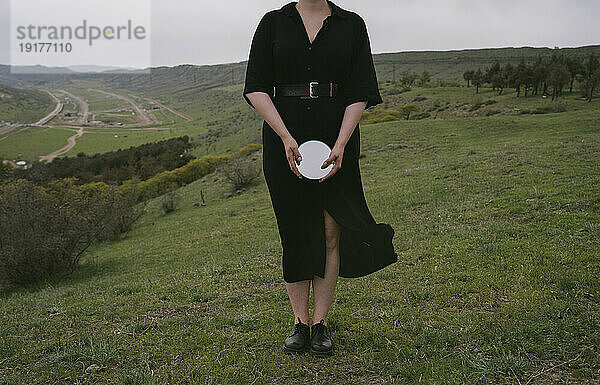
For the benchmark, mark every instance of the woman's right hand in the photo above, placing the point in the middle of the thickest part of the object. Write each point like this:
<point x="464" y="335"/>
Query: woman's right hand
<point x="292" y="154"/>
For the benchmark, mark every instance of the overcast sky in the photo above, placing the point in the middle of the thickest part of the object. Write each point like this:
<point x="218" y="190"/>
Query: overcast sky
<point x="220" y="31"/>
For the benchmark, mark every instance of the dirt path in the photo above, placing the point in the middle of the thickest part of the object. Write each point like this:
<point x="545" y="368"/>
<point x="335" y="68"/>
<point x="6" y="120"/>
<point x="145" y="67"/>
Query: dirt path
<point x="57" y="109"/>
<point x="13" y="164"/>
<point x="146" y="118"/>
<point x="70" y="144"/>
<point x="175" y="112"/>
<point x="85" y="108"/>
<point x="71" y="141"/>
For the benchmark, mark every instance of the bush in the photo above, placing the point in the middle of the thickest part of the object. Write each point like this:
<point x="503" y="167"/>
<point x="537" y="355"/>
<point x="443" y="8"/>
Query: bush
<point x="45" y="230"/>
<point x="478" y="105"/>
<point x="240" y="171"/>
<point x="5" y="170"/>
<point x="396" y="91"/>
<point x="125" y="211"/>
<point x="169" y="200"/>
<point x="378" y="116"/>
<point x="548" y="109"/>
<point x="192" y="171"/>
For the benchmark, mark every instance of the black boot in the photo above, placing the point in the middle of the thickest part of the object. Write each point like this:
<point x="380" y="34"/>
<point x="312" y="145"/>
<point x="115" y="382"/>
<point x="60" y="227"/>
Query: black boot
<point x="320" y="345"/>
<point x="298" y="341"/>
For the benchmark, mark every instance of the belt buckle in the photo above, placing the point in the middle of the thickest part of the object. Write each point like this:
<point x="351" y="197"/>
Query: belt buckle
<point x="310" y="90"/>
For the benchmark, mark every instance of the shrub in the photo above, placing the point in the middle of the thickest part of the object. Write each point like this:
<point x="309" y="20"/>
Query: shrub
<point x="192" y="171"/>
<point x="240" y="171"/>
<point x="45" y="230"/>
<point x="478" y="105"/>
<point x="396" y="91"/>
<point x="423" y="115"/>
<point x="169" y="200"/>
<point x="378" y="116"/>
<point x="407" y="109"/>
<point x="5" y="170"/>
<point x="547" y="109"/>
<point x="125" y="211"/>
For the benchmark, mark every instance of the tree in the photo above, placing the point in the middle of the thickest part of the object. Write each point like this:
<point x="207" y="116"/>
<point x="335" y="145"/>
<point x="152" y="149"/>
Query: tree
<point x="507" y="76"/>
<point x="408" y="79"/>
<point x="478" y="79"/>
<point x="407" y="109"/>
<point x="424" y="78"/>
<point x="575" y="66"/>
<point x="493" y="76"/>
<point x="539" y="74"/>
<point x="591" y="76"/>
<point x="595" y="82"/>
<point x="468" y="76"/>
<point x="558" y="78"/>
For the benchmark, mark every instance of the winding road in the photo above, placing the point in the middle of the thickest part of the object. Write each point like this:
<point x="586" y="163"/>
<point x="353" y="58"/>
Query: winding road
<point x="70" y="144"/>
<point x="146" y="118"/>
<point x="181" y="115"/>
<point x="85" y="108"/>
<point x="57" y="109"/>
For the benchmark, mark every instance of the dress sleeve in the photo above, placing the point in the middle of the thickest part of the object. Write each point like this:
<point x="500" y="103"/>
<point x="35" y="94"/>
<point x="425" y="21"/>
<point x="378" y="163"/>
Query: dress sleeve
<point x="259" y="71"/>
<point x="362" y="82"/>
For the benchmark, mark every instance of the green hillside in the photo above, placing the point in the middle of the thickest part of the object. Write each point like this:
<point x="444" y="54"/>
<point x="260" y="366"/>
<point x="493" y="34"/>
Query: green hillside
<point x="450" y="65"/>
<point x="27" y="105"/>
<point x="182" y="79"/>
<point x="497" y="222"/>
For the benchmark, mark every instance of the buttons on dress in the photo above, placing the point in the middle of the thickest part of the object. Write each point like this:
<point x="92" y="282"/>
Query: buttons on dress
<point x="310" y="48"/>
<point x="307" y="108"/>
<point x="308" y="68"/>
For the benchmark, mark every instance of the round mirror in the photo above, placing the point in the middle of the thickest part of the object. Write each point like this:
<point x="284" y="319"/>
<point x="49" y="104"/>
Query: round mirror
<point x="314" y="153"/>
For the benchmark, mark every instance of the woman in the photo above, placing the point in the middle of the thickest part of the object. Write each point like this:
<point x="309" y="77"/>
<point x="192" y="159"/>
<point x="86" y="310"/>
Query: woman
<point x="310" y="75"/>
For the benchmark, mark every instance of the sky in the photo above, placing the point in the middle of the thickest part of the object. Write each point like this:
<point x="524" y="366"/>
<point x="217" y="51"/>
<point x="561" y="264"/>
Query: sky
<point x="220" y="31"/>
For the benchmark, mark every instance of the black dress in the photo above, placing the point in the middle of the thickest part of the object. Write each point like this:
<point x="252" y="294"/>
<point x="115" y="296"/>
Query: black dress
<point x="282" y="53"/>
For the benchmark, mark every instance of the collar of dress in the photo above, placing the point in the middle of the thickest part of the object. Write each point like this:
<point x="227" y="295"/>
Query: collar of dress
<point x="288" y="9"/>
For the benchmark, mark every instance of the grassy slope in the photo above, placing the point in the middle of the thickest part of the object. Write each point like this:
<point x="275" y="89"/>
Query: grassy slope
<point x="31" y="142"/>
<point x="448" y="65"/>
<point x="497" y="225"/>
<point x="26" y="105"/>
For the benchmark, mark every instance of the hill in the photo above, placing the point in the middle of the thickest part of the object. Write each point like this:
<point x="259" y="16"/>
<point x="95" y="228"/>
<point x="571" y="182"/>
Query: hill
<point x="447" y="65"/>
<point x="27" y="105"/>
<point x="497" y="222"/>
<point x="450" y="65"/>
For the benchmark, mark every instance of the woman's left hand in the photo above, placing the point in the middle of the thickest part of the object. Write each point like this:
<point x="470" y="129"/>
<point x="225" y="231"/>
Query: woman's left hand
<point x="337" y="153"/>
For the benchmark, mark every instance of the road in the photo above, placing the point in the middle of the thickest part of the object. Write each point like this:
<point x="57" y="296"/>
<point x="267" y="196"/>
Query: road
<point x="70" y="144"/>
<point x="143" y="116"/>
<point x="5" y="130"/>
<point x="57" y="109"/>
<point x="182" y="116"/>
<point x="83" y="106"/>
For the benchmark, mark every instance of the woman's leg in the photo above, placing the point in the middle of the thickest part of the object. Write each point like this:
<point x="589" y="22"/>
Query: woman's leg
<point x="298" y="293"/>
<point x="324" y="288"/>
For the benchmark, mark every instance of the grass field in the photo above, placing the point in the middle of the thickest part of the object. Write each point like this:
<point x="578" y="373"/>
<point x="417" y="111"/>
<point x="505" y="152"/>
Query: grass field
<point x="31" y="142"/>
<point x="224" y="112"/>
<point x="497" y="224"/>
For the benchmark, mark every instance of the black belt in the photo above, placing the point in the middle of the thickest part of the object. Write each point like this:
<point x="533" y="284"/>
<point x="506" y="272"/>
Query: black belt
<point x="307" y="90"/>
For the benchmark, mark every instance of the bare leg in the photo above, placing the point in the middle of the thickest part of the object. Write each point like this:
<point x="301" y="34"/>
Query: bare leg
<point x="298" y="293"/>
<point x="324" y="288"/>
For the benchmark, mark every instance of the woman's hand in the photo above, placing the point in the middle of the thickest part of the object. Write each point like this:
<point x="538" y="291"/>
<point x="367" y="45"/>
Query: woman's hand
<point x="337" y="153"/>
<point x="292" y="154"/>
